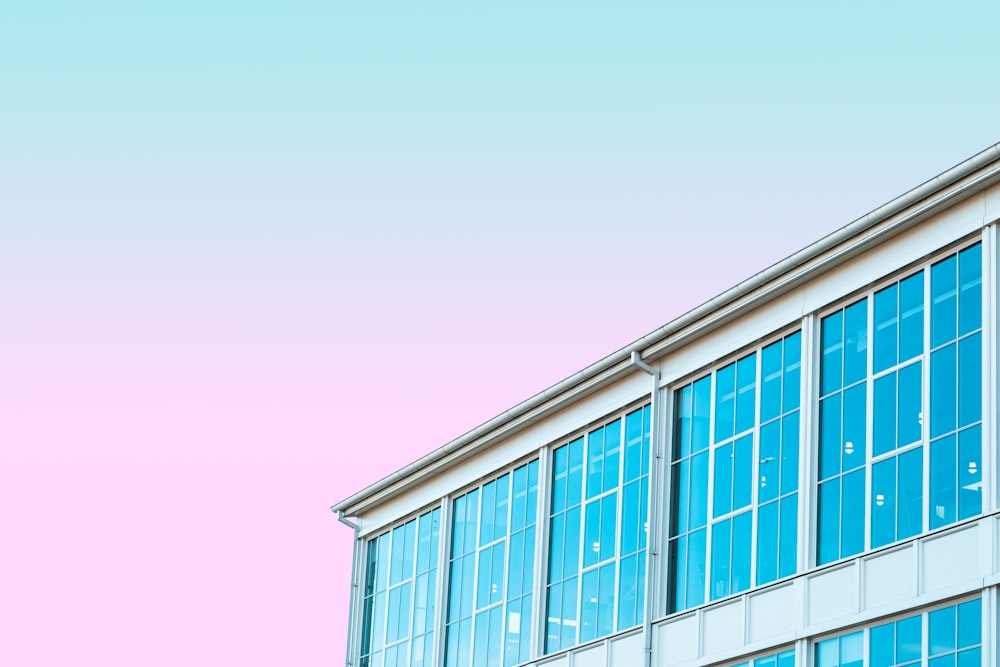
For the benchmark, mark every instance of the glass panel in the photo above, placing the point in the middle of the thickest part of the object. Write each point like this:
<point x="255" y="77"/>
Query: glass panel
<point x="595" y="463"/>
<point x="743" y="472"/>
<point x="722" y="501"/>
<point x="630" y="519"/>
<point x="911" y="491"/>
<point x="944" y="310"/>
<point x="628" y="582"/>
<point x="970" y="385"/>
<point x="701" y="418"/>
<point x="852" y="534"/>
<point x="828" y="533"/>
<point x="943" y="476"/>
<point x="970" y="624"/>
<point x="725" y="403"/>
<point x="829" y="436"/>
<point x="571" y="554"/>
<point x="633" y="445"/>
<point x="970" y="473"/>
<point x="831" y="371"/>
<point x="790" y="453"/>
<point x="612" y="454"/>
<point x="970" y="300"/>
<point x="592" y="534"/>
<point x="851" y="650"/>
<point x="770" y="462"/>
<point x="742" y="537"/>
<point x="941" y="628"/>
<point x="746" y="383"/>
<point x="683" y="406"/>
<point x="699" y="490"/>
<point x="681" y="494"/>
<point x="588" y="611"/>
<point x="884" y="414"/>
<point x="828" y="653"/>
<point x="606" y="604"/>
<point x="770" y="381"/>
<point x="908" y="639"/>
<point x="609" y="520"/>
<point x="884" y="502"/>
<point x="911" y="320"/>
<point x="855" y="342"/>
<point x="793" y="354"/>
<point x="789" y="533"/>
<point x="574" y="483"/>
<point x="556" y="546"/>
<point x="721" y="549"/>
<point x="910" y="404"/>
<point x="886" y="327"/>
<point x="695" y="586"/>
<point x="767" y="543"/>
<point x="502" y="507"/>
<point x="855" y="422"/>
<point x="881" y="643"/>
<point x="487" y="513"/>
<point x="560" y="473"/>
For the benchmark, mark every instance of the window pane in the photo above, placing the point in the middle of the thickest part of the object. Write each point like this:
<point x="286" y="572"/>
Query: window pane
<point x="609" y="524"/>
<point x="884" y="502"/>
<point x="910" y="397"/>
<point x="829" y="436"/>
<point x="725" y="403"/>
<point x="790" y="453"/>
<point x="630" y="518"/>
<point x="855" y="423"/>
<point x="789" y="533"/>
<point x="909" y="520"/>
<point x="695" y="586"/>
<point x="885" y="328"/>
<point x="970" y="385"/>
<point x="595" y="463"/>
<point x="612" y="454"/>
<point x="943" y="391"/>
<point x="943" y="475"/>
<point x="699" y="490"/>
<point x="746" y="395"/>
<point x="628" y="580"/>
<point x="606" y="600"/>
<point x="853" y="530"/>
<point x="571" y="554"/>
<point x="722" y="500"/>
<point x="592" y="533"/>
<point x="970" y="304"/>
<point x="588" y="609"/>
<point x="683" y="406"/>
<point x="742" y="536"/>
<point x="770" y="462"/>
<point x="970" y="486"/>
<point x="911" y="317"/>
<point x="944" y="310"/>
<point x="701" y="416"/>
<point x="743" y="472"/>
<point x="633" y="445"/>
<point x="487" y="513"/>
<point x="908" y="639"/>
<point x="770" y="381"/>
<point x="884" y="414"/>
<point x="855" y="342"/>
<point x="851" y="650"/>
<point x="970" y="626"/>
<point x="767" y="543"/>
<point x="793" y="354"/>
<point x="941" y="628"/>
<point x="721" y="549"/>
<point x="828" y="533"/>
<point x="828" y="653"/>
<point x="881" y="643"/>
<point x="831" y="371"/>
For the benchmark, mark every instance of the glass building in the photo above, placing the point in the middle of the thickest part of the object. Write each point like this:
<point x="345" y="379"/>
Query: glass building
<point x="803" y="472"/>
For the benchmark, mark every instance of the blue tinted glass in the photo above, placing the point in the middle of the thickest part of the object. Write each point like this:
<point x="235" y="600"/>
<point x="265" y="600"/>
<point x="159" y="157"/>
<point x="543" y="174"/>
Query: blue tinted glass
<point x="645" y="451"/>
<point x="743" y="472"/>
<point x="884" y="414"/>
<point x="488" y="510"/>
<point x="941" y="629"/>
<point x="911" y="316"/>
<point x="770" y="462"/>
<point x="392" y="621"/>
<point x="911" y="491"/>
<point x="970" y="624"/>
<point x="606" y="600"/>
<point x="828" y="537"/>
<point x="852" y="533"/>
<point x="630" y="518"/>
<point x="790" y="453"/>
<point x="742" y="537"/>
<point x="746" y="394"/>
<point x="515" y="573"/>
<point x="484" y="581"/>
<point x="855" y="422"/>
<point x="828" y="653"/>
<point x="970" y="474"/>
<point x="970" y="658"/>
<point x="571" y="554"/>
<point x="721" y="549"/>
<point x="695" y="585"/>
<point x="502" y="507"/>
<point x="910" y="383"/>
<point x="786" y="658"/>
<point x="643" y="508"/>
<point x="640" y="588"/>
<point x="424" y="525"/>
<point x="528" y="572"/>
<point x="943" y="661"/>
<point x="678" y="577"/>
<point x="855" y="342"/>
<point x="770" y="381"/>
<point x="944" y="310"/>
<point x="398" y="550"/>
<point x="942" y="482"/>
<point x="633" y="445"/>
<point x="886" y="327"/>
<point x="560" y="472"/>
<point x="699" y="490"/>
<point x="723" y="488"/>
<point x="532" y="503"/>
<point x="881" y="642"/>
<point x="569" y="613"/>
<point x="683" y="406"/>
<point x="831" y="371"/>
<point x="790" y="389"/>
<point x="970" y="385"/>
<point x="829" y="436"/>
<point x="628" y="579"/>
<point x="574" y="483"/>
<point x="700" y="420"/>
<point x="852" y="650"/>
<point x="595" y="463"/>
<point x="725" y="402"/>
<point x="970" y="300"/>
<point x="883" y="502"/>
<point x="588" y="611"/>
<point x="789" y="532"/>
<point x="592" y="533"/>
<point x="943" y="391"/>
<point x="519" y="491"/>
<point x="908" y="639"/>
<point x="612" y="454"/>
<point x="553" y="604"/>
<point x="767" y="543"/>
<point x="609" y="520"/>
<point x="556" y="547"/>
<point x="681" y="492"/>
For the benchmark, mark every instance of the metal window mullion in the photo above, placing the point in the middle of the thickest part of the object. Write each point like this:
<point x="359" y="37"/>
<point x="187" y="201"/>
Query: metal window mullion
<point x="658" y="541"/>
<point x="539" y="588"/>
<point x="439" y="627"/>
<point x="755" y="461"/>
<point x="710" y="486"/>
<point x="869" y="417"/>
<point x="989" y="371"/>
<point x="620" y="518"/>
<point x="808" y="443"/>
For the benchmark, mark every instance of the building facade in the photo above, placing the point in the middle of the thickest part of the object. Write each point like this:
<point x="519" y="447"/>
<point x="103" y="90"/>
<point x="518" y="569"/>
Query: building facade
<point x="800" y="473"/>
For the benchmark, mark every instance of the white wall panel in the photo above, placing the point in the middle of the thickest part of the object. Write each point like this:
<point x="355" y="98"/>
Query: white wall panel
<point x="772" y="612"/>
<point x="627" y="650"/>
<point x="723" y="627"/>
<point x="592" y="656"/>
<point x="833" y="594"/>
<point x="890" y="577"/>
<point x="951" y="558"/>
<point x="677" y="640"/>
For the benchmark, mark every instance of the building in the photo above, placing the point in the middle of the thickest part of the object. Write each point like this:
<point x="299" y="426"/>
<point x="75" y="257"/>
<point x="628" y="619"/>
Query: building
<point x="800" y="472"/>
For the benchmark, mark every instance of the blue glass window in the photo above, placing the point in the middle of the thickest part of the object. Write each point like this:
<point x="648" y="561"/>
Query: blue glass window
<point x="400" y="585"/>
<point x="492" y="571"/>
<point x="598" y="532"/>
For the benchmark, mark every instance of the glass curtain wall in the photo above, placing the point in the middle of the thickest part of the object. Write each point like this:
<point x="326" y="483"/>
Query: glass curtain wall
<point x="880" y="374"/>
<point x="491" y="571"/>
<point x="597" y="561"/>
<point x="742" y="435"/>
<point x="400" y="584"/>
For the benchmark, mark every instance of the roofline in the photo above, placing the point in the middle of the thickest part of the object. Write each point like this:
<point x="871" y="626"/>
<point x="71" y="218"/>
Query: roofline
<point x="871" y="229"/>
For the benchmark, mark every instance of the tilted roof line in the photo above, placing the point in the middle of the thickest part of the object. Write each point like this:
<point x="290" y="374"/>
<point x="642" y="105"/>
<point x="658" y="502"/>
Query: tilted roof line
<point x="711" y="313"/>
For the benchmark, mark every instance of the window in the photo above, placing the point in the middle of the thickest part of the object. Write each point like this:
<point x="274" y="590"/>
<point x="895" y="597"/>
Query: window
<point x="597" y="559"/>
<point x="400" y="582"/>
<point x="492" y="571"/>
<point x="744" y="438"/>
<point x="880" y="374"/>
<point x="782" y="659"/>
<point x="953" y="639"/>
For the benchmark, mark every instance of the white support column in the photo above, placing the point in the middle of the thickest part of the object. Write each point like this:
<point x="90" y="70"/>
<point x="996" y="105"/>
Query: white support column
<point x="990" y="359"/>
<point x="441" y="595"/>
<point x="538" y="607"/>
<point x="809" y="442"/>
<point x="356" y="609"/>
<point x="989" y="626"/>
<point x="661" y="572"/>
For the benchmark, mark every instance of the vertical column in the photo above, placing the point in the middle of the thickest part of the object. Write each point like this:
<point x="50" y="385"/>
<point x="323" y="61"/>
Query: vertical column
<point x="441" y="595"/>
<point x="659" y="569"/>
<point x="538" y="588"/>
<point x="808" y="443"/>
<point x="355" y="611"/>
<point x="991" y="392"/>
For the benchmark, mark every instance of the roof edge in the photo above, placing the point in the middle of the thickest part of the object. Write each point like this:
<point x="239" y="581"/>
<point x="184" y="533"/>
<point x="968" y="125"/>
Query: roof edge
<point x="355" y="503"/>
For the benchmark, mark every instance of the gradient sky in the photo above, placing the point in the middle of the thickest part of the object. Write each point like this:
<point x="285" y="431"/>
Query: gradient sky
<point x="257" y="255"/>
